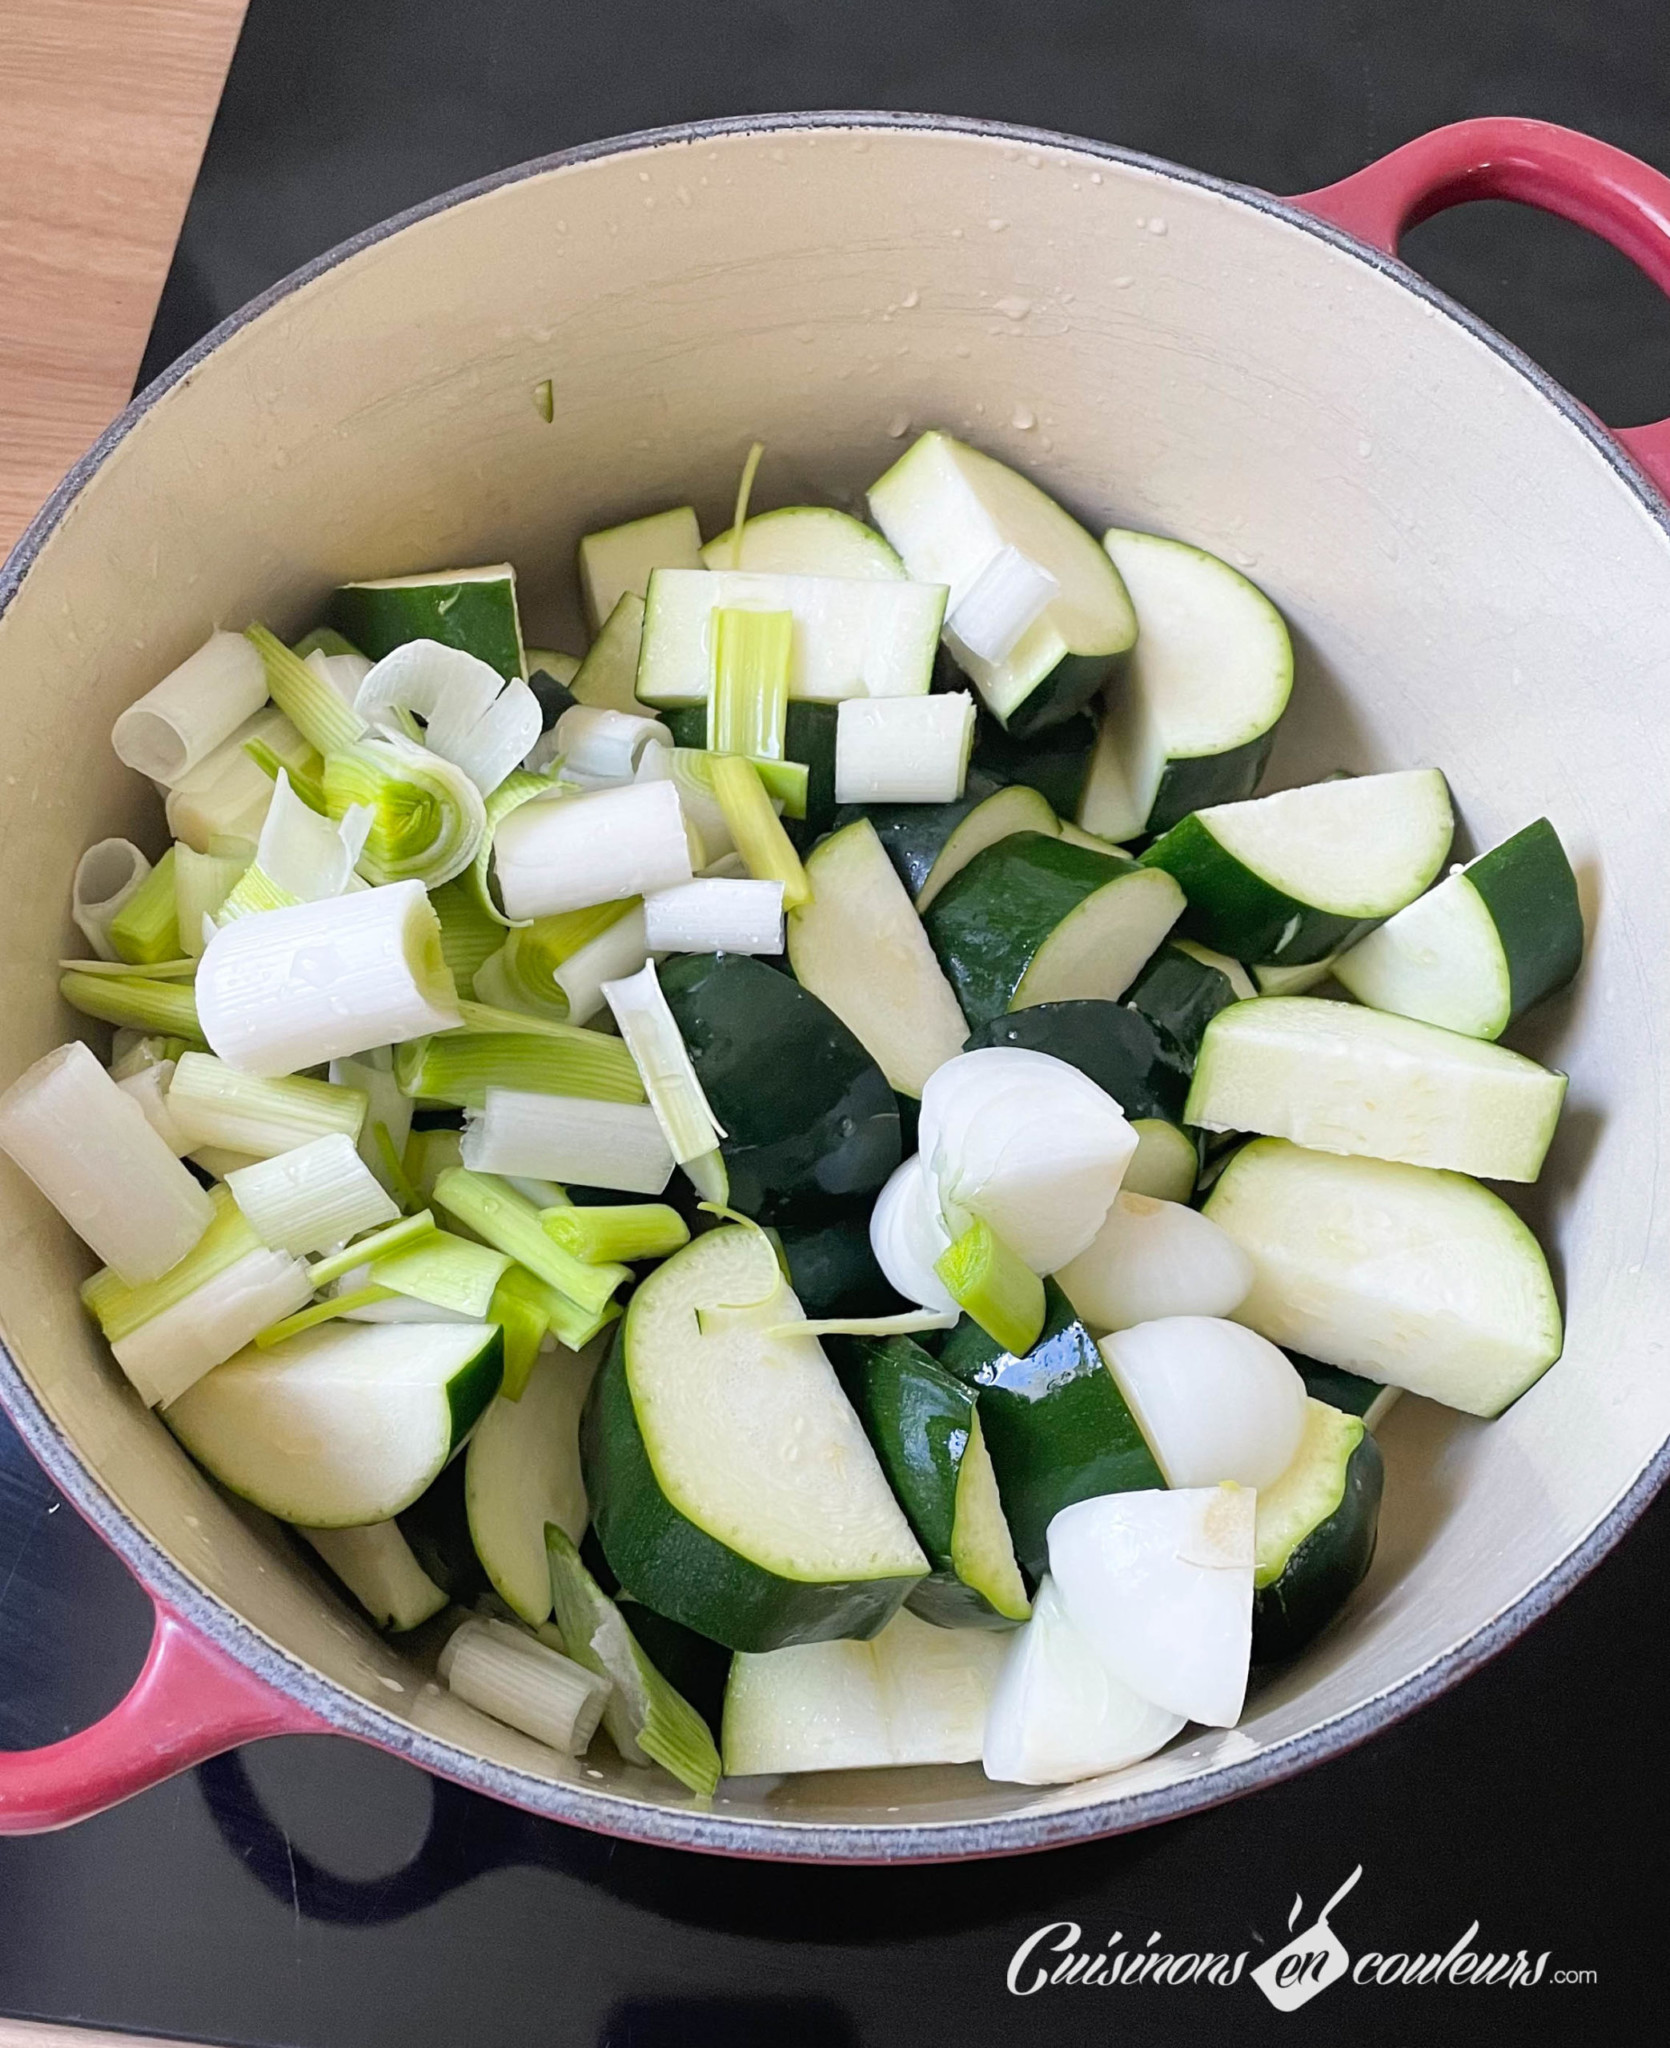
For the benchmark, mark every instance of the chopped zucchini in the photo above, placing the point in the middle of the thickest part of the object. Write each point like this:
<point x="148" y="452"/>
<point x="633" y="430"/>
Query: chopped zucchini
<point x="474" y="609"/>
<point x="804" y="540"/>
<point x="619" y="559"/>
<point x="1315" y="1532"/>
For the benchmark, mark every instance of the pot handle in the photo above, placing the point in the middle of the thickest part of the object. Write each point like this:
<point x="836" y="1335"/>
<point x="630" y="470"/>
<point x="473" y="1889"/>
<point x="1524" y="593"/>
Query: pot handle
<point x="1538" y="164"/>
<point x="190" y="1702"/>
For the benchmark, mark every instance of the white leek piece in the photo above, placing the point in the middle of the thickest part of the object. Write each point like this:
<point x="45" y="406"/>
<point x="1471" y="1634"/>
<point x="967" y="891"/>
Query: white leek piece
<point x="565" y="1138"/>
<point x="149" y="1088"/>
<point x="301" y="986"/>
<point x="1216" y="1402"/>
<point x="131" y="1052"/>
<point x="344" y="672"/>
<point x="311" y="1197"/>
<point x="472" y="716"/>
<point x="1162" y="1584"/>
<point x="908" y="1236"/>
<point x="1153" y="1259"/>
<point x="690" y="771"/>
<point x="213" y="1103"/>
<point x="597" y="848"/>
<point x="519" y="1680"/>
<point x="173" y="1350"/>
<point x="1060" y="1712"/>
<point x="445" y="1271"/>
<point x="223" y="800"/>
<point x="220" y="1160"/>
<point x="202" y="883"/>
<point x="427" y="819"/>
<point x="903" y="750"/>
<point x="994" y="608"/>
<point x="388" y="1110"/>
<point x="376" y="1563"/>
<point x="192" y="710"/>
<point x="106" y="875"/>
<point x="529" y="972"/>
<point x="1029" y="1144"/>
<point x="709" y="916"/>
<point x="307" y="856"/>
<point x="600" y="747"/>
<point x="654" y="1041"/>
<point x="90" y="1151"/>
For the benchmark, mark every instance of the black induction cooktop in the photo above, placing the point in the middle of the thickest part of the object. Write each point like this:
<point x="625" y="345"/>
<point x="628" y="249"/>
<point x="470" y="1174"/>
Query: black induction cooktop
<point x="311" y="1892"/>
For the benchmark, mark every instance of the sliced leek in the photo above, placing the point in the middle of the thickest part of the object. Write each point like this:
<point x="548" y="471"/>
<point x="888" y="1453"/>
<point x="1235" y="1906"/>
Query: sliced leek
<point x="469" y="937"/>
<point x="600" y="747"/>
<point x="513" y="1677"/>
<point x="714" y="915"/>
<point x="755" y="830"/>
<point x="748" y="704"/>
<point x="309" y="702"/>
<point x="106" y="875"/>
<point x="457" y="1069"/>
<point x="202" y="883"/>
<point x="170" y="1352"/>
<point x="214" y="1104"/>
<point x="428" y="821"/>
<point x="623" y="1233"/>
<point x="496" y="1213"/>
<point x="589" y="849"/>
<point x="563" y="1137"/>
<point x="990" y="1283"/>
<point x="652" y="1037"/>
<point x="903" y="750"/>
<point x="193" y="710"/>
<point x="311" y="1197"/>
<point x="138" y="1003"/>
<point x="533" y="957"/>
<point x="472" y="716"/>
<point x="145" y="931"/>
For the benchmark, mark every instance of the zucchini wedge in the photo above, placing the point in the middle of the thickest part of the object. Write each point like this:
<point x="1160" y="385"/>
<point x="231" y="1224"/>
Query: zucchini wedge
<point x="618" y="559"/>
<point x="1348" y="1390"/>
<point x="377" y="1566"/>
<point x="474" y="609"/>
<point x="1421" y="1279"/>
<point x="522" y="1470"/>
<point x="809" y="737"/>
<point x="733" y="1487"/>
<point x="929" y="843"/>
<point x="1034" y="920"/>
<point x="912" y="1695"/>
<point x="1194" y="718"/>
<point x="832" y="1269"/>
<point x="1055" y="1422"/>
<point x="1115" y="1046"/>
<point x="1345" y="1079"/>
<point x="608" y="676"/>
<point x="1166" y="1164"/>
<point x="1488" y="942"/>
<point x="810" y="1120"/>
<point x="1055" y="762"/>
<point x="953" y="514"/>
<point x="854" y="636"/>
<point x="924" y="1425"/>
<point x="1315" y="1532"/>
<point x="804" y="540"/>
<point x="1288" y="879"/>
<point x="860" y="948"/>
<point x="346" y="1423"/>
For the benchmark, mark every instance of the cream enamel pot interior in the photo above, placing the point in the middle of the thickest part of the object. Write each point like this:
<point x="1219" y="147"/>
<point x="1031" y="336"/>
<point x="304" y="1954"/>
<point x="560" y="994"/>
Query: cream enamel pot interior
<point x="1477" y="576"/>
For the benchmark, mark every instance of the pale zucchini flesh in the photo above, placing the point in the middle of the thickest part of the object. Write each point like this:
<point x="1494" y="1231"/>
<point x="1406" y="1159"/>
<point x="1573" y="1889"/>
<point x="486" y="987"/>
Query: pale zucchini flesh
<point x="622" y="558"/>
<point x="805" y="540"/>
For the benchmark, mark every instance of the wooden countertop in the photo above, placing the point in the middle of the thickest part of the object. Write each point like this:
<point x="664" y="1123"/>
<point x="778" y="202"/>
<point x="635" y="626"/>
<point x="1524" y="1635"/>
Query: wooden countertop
<point x="105" y="106"/>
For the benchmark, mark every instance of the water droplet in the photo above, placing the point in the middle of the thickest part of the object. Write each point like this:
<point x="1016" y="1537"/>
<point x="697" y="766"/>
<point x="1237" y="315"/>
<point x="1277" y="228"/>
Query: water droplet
<point x="997" y="226"/>
<point x="1123" y="283"/>
<point x="804" y="334"/>
<point x="910" y="299"/>
<point x="956" y="234"/>
<point x="1013" y="308"/>
<point x="1095" y="177"/>
<point x="682" y="194"/>
<point x="1156" y="226"/>
<point x="1023" y="417"/>
<point x="1365" y="447"/>
<point x="643" y="177"/>
<point x="1047" y="444"/>
<point x="860" y="144"/>
<point x="899" y="425"/>
<point x="1033" y="160"/>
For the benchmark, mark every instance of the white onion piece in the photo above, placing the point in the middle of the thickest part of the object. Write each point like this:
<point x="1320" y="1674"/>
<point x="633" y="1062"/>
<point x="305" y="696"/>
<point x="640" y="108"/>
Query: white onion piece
<point x="1216" y="1402"/>
<point x="1028" y="1143"/>
<point x="1153" y="1259"/>
<point x="907" y="1236"/>
<point x="1060" y="1711"/>
<point x="1162" y="1584"/>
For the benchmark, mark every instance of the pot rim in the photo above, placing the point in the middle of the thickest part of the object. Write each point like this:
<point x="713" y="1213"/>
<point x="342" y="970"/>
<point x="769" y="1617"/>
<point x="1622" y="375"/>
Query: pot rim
<point x="604" y="1812"/>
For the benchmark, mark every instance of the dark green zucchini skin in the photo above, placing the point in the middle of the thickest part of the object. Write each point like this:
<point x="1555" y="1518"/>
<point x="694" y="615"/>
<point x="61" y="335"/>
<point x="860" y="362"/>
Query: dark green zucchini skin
<point x="437" y="1527"/>
<point x="913" y="836"/>
<point x="671" y="1565"/>
<point x="476" y="620"/>
<point x="1056" y="762"/>
<point x="686" y="722"/>
<point x="833" y="1270"/>
<point x="808" y="736"/>
<point x="1196" y="782"/>
<point x="1054" y="1421"/>
<point x="692" y="1664"/>
<point x="1326" y="1567"/>
<point x="1179" y="995"/>
<point x="991" y="918"/>
<point x="469" y="1392"/>
<point x="1234" y="911"/>
<point x="1074" y="682"/>
<point x="918" y="1417"/>
<point x="1115" y="1046"/>
<point x="1333" y="1384"/>
<point x="1528" y="887"/>
<point x="812" y="1124"/>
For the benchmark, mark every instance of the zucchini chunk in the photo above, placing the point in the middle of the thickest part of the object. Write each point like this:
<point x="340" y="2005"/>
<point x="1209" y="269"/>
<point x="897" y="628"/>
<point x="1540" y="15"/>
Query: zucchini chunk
<point x="1344" y="1079"/>
<point x="1348" y="1390"/>
<point x="619" y="559"/>
<point x="1113" y="1045"/>
<point x="853" y="636"/>
<point x="1180" y="991"/>
<point x="805" y="540"/>
<point x="346" y="1423"/>
<point x="522" y="1470"/>
<point x="924" y="1425"/>
<point x="810" y="1120"/>
<point x="1492" y="939"/>
<point x="860" y="948"/>
<point x="474" y="609"/>
<point x="1315" y="1532"/>
<point x="832" y="1269"/>
<point x="1194" y="717"/>
<point x="1422" y="1279"/>
<point x="377" y="1566"/>
<point x="1288" y="879"/>
<point x="1055" y="762"/>
<point x="607" y="679"/>
<point x="1166" y="1163"/>
<point x="929" y="843"/>
<point x="733" y="1487"/>
<point x="953" y="513"/>
<point x="1034" y="920"/>
<point x="913" y="1695"/>
<point x="1055" y="1422"/>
